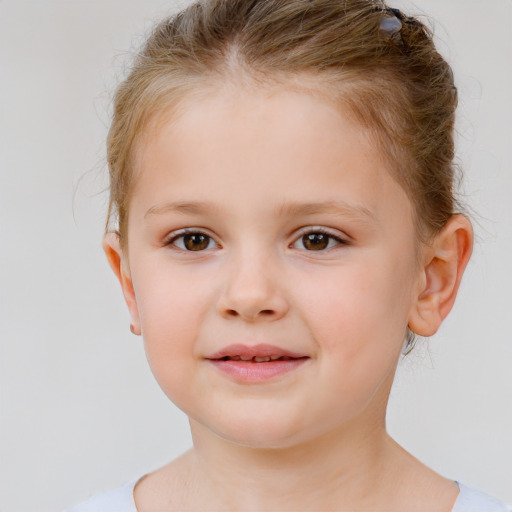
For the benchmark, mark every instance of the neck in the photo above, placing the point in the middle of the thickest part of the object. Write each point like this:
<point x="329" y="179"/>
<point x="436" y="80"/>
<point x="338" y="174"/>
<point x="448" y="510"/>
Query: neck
<point x="337" y="470"/>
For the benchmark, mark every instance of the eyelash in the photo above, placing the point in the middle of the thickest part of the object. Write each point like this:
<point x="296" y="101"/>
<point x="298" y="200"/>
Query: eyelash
<point x="181" y="234"/>
<point x="314" y="230"/>
<point x="318" y="230"/>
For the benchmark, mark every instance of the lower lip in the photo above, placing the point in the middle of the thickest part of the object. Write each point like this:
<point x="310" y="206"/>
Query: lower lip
<point x="248" y="371"/>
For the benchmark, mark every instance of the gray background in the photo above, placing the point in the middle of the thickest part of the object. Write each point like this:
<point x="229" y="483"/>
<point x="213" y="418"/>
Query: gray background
<point x="80" y="411"/>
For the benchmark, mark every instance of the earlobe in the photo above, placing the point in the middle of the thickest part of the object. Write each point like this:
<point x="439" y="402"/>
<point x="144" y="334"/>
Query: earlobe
<point x="445" y="261"/>
<point x="114" y="253"/>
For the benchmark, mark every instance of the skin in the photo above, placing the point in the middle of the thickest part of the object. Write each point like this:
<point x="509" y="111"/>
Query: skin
<point x="314" y="438"/>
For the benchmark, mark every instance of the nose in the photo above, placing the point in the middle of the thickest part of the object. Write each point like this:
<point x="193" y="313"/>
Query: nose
<point x="252" y="291"/>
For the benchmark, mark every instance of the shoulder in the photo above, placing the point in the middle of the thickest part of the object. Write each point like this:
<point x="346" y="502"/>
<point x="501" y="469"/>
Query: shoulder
<point x="472" y="500"/>
<point x="115" y="500"/>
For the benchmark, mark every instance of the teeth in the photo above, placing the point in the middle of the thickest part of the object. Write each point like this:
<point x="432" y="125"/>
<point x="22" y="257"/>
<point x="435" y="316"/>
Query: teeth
<point x="258" y="359"/>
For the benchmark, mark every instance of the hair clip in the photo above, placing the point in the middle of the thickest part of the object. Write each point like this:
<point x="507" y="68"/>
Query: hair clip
<point x="391" y="26"/>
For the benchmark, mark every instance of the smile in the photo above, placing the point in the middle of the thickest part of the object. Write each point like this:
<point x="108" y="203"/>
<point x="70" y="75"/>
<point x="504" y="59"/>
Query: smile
<point x="257" y="359"/>
<point x="258" y="363"/>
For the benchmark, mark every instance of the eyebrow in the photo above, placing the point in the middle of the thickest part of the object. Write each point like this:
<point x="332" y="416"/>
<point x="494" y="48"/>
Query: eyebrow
<point x="286" y="209"/>
<point x="334" y="207"/>
<point x="184" y="207"/>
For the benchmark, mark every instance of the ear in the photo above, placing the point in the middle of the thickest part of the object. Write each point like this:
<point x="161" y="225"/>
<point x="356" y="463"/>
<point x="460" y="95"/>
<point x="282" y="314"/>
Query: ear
<point x="445" y="261"/>
<point x="117" y="261"/>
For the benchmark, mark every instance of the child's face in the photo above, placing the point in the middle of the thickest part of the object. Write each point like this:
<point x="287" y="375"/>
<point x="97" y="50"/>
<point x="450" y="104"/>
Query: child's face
<point x="252" y="175"/>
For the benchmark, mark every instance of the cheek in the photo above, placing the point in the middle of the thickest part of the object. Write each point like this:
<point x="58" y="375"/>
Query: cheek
<point x="170" y="300"/>
<point x="358" y="322"/>
<point x="359" y="314"/>
<point x="171" y="305"/>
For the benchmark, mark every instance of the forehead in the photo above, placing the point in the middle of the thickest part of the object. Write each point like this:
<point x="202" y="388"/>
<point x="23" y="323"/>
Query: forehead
<point x="274" y="145"/>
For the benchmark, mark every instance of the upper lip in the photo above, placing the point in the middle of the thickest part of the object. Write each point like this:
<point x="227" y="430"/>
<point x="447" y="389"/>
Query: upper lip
<point x="249" y="351"/>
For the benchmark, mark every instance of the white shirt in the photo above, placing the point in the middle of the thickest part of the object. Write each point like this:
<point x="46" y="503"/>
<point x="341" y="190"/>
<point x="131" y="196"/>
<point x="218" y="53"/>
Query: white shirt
<point x="121" y="500"/>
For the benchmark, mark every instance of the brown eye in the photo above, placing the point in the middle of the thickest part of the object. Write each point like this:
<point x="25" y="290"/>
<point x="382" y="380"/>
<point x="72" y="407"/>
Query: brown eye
<point x="315" y="241"/>
<point x="318" y="240"/>
<point x="195" y="241"/>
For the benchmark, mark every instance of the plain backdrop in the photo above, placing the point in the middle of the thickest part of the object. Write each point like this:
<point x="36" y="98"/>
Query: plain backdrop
<point x="80" y="410"/>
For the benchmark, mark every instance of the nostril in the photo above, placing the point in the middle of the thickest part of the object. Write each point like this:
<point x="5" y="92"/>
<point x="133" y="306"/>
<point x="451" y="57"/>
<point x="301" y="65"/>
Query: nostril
<point x="263" y="312"/>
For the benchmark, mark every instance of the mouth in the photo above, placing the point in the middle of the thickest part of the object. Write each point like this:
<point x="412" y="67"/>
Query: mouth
<point x="257" y="363"/>
<point x="260" y="353"/>
<point x="258" y="359"/>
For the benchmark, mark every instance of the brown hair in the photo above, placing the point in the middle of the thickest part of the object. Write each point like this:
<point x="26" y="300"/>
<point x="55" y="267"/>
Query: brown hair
<point x="380" y="64"/>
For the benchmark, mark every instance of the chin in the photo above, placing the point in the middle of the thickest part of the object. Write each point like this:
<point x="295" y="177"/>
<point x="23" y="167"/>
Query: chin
<point x="261" y="433"/>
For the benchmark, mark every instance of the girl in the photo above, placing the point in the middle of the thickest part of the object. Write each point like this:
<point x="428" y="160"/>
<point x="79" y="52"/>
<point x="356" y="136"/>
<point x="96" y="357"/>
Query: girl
<point x="283" y="223"/>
